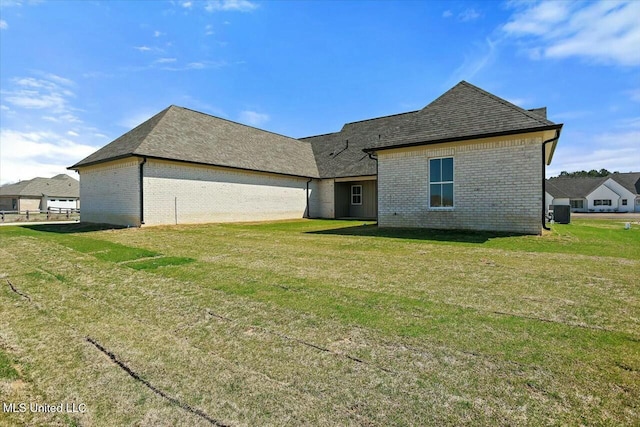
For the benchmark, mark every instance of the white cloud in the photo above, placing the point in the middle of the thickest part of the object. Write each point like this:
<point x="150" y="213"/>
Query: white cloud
<point x="605" y="31"/>
<point x="165" y="60"/>
<point x="142" y="48"/>
<point x="197" y="65"/>
<point x="186" y="4"/>
<point x="3" y="24"/>
<point x="32" y="93"/>
<point x="482" y="55"/>
<point x="157" y="34"/>
<point x="208" y="30"/>
<point x="468" y="15"/>
<point x="447" y="14"/>
<point x="72" y="133"/>
<point x="253" y="118"/>
<point x="37" y="153"/>
<point x="230" y="5"/>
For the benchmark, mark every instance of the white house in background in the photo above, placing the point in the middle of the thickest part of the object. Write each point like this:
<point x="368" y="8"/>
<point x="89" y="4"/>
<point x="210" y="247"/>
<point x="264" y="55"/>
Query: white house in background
<point x="618" y="192"/>
<point x="468" y="160"/>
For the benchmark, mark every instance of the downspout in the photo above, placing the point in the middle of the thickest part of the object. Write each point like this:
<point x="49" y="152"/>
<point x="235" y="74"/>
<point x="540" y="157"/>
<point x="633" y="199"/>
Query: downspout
<point x="144" y="160"/>
<point x="544" y="181"/>
<point x="308" y="212"/>
<point x="375" y="157"/>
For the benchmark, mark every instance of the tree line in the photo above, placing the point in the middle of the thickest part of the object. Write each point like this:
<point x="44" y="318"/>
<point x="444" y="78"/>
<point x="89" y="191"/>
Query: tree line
<point x="582" y="174"/>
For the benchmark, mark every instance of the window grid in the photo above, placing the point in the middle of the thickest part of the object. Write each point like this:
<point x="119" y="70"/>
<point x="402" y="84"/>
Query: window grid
<point x="441" y="183"/>
<point x="356" y="194"/>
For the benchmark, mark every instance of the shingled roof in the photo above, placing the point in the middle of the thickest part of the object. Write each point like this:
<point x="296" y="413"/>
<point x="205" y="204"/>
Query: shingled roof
<point x="340" y="154"/>
<point x="181" y="134"/>
<point x="630" y="181"/>
<point x="464" y="112"/>
<point x="580" y="187"/>
<point x="61" y="185"/>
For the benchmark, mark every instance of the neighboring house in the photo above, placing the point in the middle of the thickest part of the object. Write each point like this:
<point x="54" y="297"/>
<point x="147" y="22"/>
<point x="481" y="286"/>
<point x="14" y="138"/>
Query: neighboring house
<point x="618" y="192"/>
<point x="468" y="160"/>
<point x="61" y="191"/>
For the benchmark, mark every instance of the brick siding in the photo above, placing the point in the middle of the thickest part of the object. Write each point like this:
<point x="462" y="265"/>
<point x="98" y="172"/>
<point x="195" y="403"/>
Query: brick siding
<point x="497" y="186"/>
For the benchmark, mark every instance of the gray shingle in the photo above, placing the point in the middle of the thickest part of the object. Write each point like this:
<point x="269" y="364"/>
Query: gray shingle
<point x="335" y="158"/>
<point x="581" y="187"/>
<point x="573" y="187"/>
<point x="178" y="133"/>
<point x="61" y="185"/>
<point x="630" y="181"/>
<point x="464" y="112"/>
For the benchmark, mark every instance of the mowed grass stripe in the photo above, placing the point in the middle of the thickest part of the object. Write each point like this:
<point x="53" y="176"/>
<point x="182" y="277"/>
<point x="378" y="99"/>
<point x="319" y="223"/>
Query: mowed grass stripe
<point x="167" y="344"/>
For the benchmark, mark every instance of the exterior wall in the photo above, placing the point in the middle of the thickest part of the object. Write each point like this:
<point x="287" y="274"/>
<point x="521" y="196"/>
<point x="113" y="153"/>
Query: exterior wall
<point x="600" y="193"/>
<point x="549" y="201"/>
<point x="25" y="204"/>
<point x="344" y="207"/>
<point x="623" y="193"/>
<point x="497" y="186"/>
<point x="110" y="193"/>
<point x="323" y="204"/>
<point x="182" y="193"/>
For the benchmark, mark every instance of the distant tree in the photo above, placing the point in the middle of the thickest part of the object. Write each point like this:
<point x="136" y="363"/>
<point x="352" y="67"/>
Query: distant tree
<point x="584" y="174"/>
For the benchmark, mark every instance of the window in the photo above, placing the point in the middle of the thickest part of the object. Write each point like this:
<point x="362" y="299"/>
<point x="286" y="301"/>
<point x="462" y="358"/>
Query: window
<point x="441" y="183"/>
<point x="604" y="202"/>
<point x="624" y="202"/>
<point x="577" y="204"/>
<point x="356" y="194"/>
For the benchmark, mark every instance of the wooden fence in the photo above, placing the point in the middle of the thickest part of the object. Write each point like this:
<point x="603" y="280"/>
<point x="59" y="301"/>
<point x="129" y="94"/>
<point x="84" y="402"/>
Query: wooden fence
<point x="40" y="215"/>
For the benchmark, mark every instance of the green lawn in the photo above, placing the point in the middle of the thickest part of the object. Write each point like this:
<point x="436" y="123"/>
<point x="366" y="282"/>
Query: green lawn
<point x="321" y="323"/>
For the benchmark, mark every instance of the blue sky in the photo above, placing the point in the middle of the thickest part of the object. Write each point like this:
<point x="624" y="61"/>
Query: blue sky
<point x="76" y="75"/>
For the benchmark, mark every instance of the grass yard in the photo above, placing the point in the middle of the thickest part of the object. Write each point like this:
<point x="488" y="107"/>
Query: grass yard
<point x="320" y="323"/>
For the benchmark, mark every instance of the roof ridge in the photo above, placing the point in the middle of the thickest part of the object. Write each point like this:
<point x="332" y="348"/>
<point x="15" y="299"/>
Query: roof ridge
<point x="506" y="103"/>
<point x="234" y="122"/>
<point x="376" y="118"/>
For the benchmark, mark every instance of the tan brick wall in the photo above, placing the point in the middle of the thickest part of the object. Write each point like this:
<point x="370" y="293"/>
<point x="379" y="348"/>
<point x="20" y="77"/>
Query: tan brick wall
<point x="199" y="194"/>
<point x="497" y="186"/>
<point x="110" y="193"/>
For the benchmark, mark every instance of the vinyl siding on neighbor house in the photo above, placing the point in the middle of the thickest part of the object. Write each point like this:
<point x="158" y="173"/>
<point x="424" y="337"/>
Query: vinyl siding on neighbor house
<point x="497" y="185"/>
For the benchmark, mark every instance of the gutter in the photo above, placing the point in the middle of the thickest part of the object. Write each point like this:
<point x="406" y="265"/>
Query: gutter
<point x="373" y="156"/>
<point x="142" y="163"/>
<point x="308" y="211"/>
<point x="544" y="180"/>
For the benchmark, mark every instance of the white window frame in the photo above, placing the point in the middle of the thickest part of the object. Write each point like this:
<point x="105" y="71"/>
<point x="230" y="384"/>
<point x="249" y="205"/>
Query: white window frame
<point x="602" y="202"/>
<point x="624" y="202"/>
<point x="353" y="194"/>
<point x="453" y="172"/>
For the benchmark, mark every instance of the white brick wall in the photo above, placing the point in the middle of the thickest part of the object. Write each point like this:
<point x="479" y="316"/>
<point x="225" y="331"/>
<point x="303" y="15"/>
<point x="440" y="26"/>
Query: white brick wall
<point x="199" y="194"/>
<point x="497" y="186"/>
<point x="323" y="199"/>
<point x="110" y="193"/>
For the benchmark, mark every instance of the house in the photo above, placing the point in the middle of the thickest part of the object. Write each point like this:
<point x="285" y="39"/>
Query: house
<point x="618" y="192"/>
<point x="468" y="160"/>
<point x="61" y="191"/>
